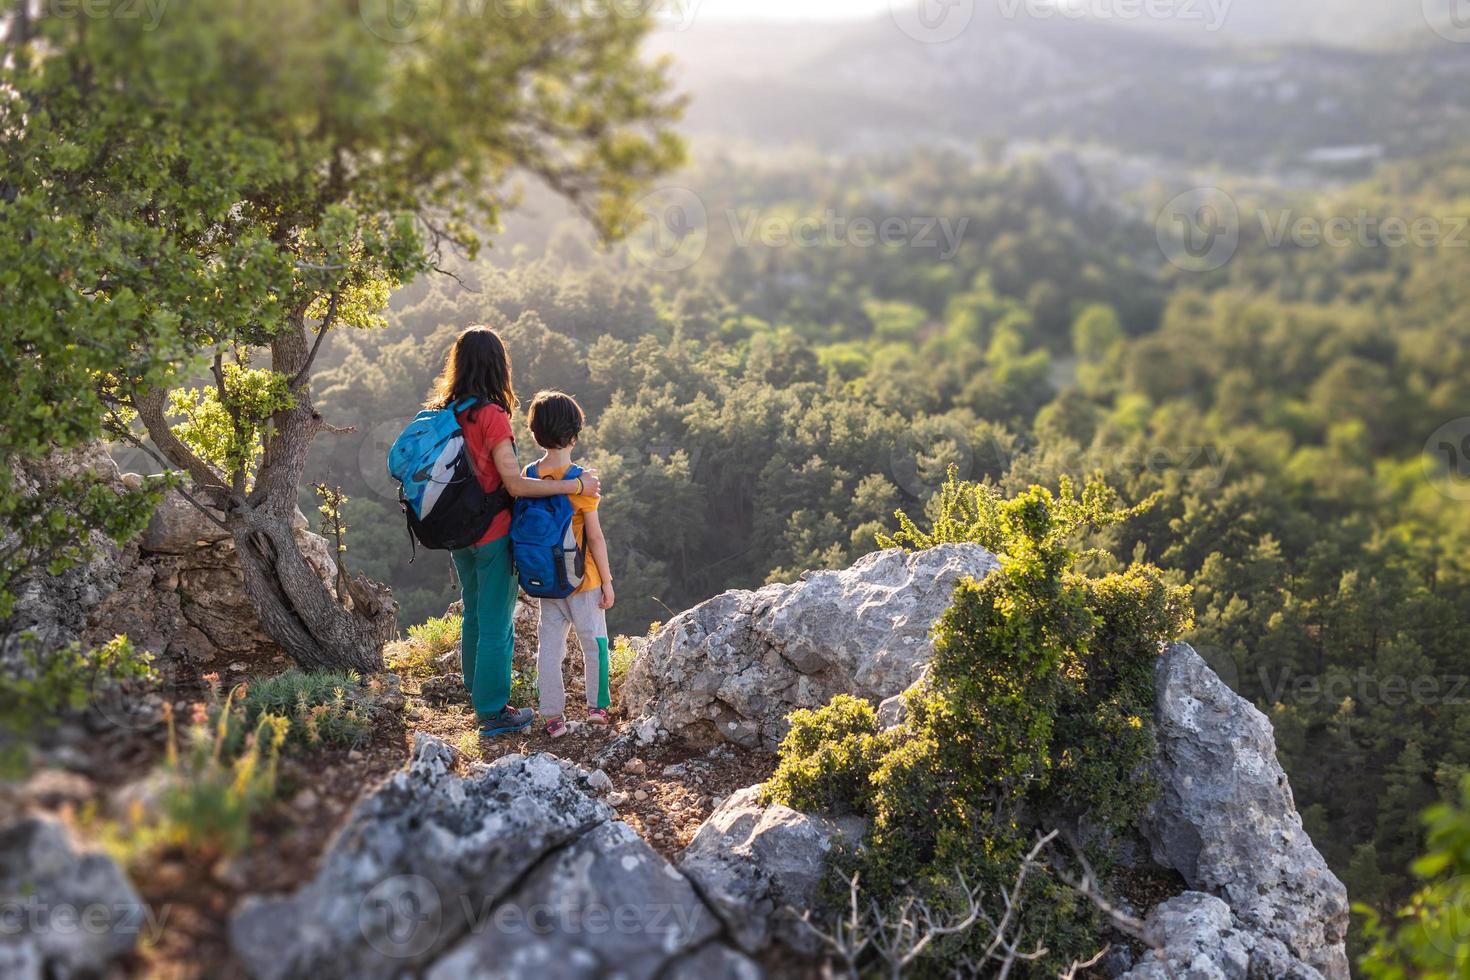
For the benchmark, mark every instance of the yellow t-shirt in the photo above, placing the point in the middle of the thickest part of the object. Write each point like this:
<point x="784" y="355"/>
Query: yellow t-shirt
<point x="581" y="504"/>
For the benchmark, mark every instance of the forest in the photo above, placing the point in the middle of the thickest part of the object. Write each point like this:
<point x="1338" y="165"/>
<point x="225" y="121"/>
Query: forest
<point x="822" y="290"/>
<point x="1299" y="417"/>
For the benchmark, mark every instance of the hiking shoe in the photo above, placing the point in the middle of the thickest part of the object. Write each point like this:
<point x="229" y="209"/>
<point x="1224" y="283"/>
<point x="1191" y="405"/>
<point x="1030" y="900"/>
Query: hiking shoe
<point x="556" y="727"/>
<point x="507" y="721"/>
<point x="597" y="716"/>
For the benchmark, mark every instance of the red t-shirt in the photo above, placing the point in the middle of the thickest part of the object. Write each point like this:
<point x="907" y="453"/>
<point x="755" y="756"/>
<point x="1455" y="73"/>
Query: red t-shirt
<point x="485" y="427"/>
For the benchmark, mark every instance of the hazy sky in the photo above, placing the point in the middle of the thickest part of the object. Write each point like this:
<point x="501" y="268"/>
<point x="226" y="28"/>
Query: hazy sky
<point x="786" y="9"/>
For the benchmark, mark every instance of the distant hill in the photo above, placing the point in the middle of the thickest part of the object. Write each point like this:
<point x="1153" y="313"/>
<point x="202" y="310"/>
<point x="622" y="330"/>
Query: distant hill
<point x="1258" y="108"/>
<point x="1359" y="23"/>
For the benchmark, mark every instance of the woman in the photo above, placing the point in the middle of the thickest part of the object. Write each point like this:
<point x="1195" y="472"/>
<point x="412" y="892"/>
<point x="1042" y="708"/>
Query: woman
<point x="478" y="367"/>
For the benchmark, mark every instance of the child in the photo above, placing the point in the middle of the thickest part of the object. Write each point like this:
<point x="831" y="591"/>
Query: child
<point x="478" y="371"/>
<point x="555" y="421"/>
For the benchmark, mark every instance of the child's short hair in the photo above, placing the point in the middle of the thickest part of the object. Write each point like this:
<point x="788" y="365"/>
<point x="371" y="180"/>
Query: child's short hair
<point x="555" y="419"/>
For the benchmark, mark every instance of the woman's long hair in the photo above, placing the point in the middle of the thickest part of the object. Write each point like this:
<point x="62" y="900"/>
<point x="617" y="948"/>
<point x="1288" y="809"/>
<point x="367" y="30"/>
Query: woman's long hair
<point x="477" y="367"/>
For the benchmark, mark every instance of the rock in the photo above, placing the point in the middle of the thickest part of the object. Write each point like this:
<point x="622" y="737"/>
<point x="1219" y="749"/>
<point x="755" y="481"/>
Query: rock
<point x="714" y="961"/>
<point x="1197" y="936"/>
<point x="1225" y="818"/>
<point x="512" y="869"/>
<point x="54" y="607"/>
<point x="180" y="528"/>
<point x="754" y="863"/>
<point x="640" y="795"/>
<point x="54" y="788"/>
<point x="67" y="914"/>
<point x="616" y="908"/>
<point x="635" y="766"/>
<point x="230" y="872"/>
<point x="617" y="798"/>
<point x="177" y="591"/>
<point x="599" y="781"/>
<point x="735" y="666"/>
<point x="1194" y="936"/>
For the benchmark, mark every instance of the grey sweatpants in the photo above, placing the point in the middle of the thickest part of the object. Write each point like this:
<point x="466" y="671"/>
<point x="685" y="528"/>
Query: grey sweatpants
<point x="579" y="609"/>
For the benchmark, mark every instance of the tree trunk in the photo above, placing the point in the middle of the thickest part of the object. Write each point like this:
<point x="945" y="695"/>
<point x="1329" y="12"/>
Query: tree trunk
<point x="297" y="610"/>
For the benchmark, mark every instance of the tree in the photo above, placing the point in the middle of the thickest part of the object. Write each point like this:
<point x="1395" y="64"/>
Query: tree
<point x="193" y="206"/>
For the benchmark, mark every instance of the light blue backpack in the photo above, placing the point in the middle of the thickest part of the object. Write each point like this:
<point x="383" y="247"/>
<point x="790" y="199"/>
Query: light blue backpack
<point x="550" y="562"/>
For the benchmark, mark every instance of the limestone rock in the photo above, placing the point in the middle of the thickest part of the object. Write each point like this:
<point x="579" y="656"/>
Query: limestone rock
<point x="608" y="902"/>
<point x="515" y="868"/>
<point x="1195" y="935"/>
<point x="734" y="667"/>
<point x="70" y="914"/>
<point x="756" y="865"/>
<point x="1225" y="818"/>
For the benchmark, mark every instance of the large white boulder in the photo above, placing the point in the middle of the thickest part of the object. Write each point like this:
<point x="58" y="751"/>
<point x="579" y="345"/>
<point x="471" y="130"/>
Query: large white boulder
<point x="734" y="667"/>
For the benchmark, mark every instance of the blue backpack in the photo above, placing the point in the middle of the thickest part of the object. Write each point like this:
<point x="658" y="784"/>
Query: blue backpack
<point x="445" y="506"/>
<point x="550" y="562"/>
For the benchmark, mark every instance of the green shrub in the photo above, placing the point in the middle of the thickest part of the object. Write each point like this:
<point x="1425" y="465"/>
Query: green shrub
<point x="42" y="686"/>
<point x="208" y="806"/>
<point x="1036" y="710"/>
<point x="323" y="707"/>
<point x="828" y="758"/>
<point x="418" y="655"/>
<point x="1429" y="938"/>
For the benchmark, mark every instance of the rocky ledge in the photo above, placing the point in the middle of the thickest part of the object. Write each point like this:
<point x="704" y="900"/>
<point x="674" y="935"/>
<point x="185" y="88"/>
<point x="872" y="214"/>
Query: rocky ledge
<point x="1225" y="821"/>
<point x="517" y="867"/>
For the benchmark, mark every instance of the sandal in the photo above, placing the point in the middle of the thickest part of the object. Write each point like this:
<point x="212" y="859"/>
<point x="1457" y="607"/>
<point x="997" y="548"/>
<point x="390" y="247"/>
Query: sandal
<point x="597" y="716"/>
<point x="556" y="727"/>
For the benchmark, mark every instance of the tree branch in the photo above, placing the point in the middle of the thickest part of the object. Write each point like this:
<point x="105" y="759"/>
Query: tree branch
<point x="149" y="407"/>
<point x="304" y="375"/>
<point x="122" y="433"/>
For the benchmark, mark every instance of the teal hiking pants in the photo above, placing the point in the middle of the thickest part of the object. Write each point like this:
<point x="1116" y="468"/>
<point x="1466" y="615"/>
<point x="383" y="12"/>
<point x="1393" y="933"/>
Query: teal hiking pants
<point x="487" y="583"/>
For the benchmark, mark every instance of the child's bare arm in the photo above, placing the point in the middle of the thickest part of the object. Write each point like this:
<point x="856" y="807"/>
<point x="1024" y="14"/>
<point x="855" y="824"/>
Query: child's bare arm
<point x="597" y="547"/>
